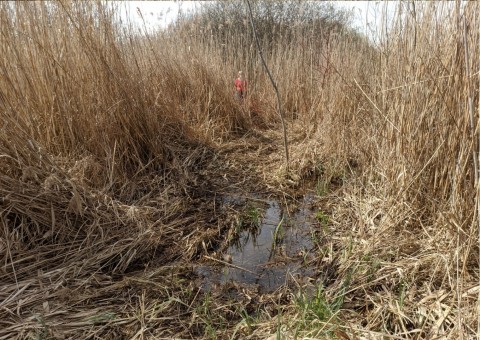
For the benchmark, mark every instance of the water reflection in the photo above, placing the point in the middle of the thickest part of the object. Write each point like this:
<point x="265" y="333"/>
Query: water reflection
<point x="267" y="253"/>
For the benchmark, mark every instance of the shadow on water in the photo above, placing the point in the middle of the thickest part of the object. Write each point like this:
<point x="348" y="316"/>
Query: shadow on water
<point x="267" y="254"/>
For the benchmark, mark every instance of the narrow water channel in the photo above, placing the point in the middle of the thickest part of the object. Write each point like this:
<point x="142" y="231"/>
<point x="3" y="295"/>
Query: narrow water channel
<point x="267" y="255"/>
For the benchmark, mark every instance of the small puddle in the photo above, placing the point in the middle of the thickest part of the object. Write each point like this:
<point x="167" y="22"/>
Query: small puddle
<point x="278" y="247"/>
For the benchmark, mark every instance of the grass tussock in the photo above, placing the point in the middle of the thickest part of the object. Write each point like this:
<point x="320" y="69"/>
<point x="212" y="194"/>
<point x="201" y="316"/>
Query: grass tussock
<point x="114" y="146"/>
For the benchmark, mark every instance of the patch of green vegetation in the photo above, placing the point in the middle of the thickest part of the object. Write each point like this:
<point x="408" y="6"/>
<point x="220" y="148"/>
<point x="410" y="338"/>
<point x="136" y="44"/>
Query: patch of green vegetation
<point x="247" y="323"/>
<point x="314" y="309"/>
<point x="254" y="216"/>
<point x="204" y="313"/>
<point x="43" y="332"/>
<point x="323" y="218"/>
<point x="318" y="314"/>
<point x="251" y="218"/>
<point x="278" y="234"/>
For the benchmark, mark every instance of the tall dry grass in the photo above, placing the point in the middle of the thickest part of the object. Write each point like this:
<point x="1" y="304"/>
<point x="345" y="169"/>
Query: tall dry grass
<point x="101" y="136"/>
<point x="106" y="136"/>
<point x="411" y="219"/>
<point x="307" y="53"/>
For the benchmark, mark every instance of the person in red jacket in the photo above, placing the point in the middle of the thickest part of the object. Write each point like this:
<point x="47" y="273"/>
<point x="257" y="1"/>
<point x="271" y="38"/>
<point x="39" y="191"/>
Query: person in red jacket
<point x="240" y="86"/>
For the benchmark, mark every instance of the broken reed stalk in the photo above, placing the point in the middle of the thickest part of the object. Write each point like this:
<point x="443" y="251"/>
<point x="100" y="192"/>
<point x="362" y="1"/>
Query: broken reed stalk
<point x="229" y="264"/>
<point x="475" y="154"/>
<point x="274" y="84"/>
<point x="475" y="147"/>
<point x="475" y="162"/>
<point x="470" y="101"/>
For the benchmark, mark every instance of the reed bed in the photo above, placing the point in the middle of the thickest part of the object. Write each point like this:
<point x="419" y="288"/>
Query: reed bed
<point x="114" y="146"/>
<point x="98" y="174"/>
<point x="410" y="220"/>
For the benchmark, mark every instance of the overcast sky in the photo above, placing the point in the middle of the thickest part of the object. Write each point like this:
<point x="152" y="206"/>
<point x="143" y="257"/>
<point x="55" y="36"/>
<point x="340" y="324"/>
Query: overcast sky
<point x="158" y="14"/>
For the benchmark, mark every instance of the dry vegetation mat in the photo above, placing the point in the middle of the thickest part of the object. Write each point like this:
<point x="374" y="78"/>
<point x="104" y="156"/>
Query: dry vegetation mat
<point x="117" y="146"/>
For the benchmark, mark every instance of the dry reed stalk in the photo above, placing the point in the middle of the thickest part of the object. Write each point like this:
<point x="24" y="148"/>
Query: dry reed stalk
<point x="279" y="103"/>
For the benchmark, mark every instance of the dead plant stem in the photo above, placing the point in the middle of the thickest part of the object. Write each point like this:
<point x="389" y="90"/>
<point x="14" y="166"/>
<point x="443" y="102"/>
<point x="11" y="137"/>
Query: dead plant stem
<point x="282" y="118"/>
<point x="475" y="153"/>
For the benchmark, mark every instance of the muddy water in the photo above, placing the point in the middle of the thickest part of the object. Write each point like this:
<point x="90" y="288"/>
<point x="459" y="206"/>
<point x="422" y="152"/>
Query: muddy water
<point x="267" y="258"/>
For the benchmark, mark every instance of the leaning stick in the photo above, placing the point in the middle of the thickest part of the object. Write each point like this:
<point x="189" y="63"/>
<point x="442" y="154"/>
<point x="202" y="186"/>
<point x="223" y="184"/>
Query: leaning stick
<point x="229" y="264"/>
<point x="274" y="84"/>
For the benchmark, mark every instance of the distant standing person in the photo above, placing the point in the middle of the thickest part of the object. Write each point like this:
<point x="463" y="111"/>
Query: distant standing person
<point x="240" y="86"/>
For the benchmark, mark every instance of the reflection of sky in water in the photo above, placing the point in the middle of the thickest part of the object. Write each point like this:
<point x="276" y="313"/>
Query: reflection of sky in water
<point x="256" y="253"/>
